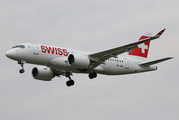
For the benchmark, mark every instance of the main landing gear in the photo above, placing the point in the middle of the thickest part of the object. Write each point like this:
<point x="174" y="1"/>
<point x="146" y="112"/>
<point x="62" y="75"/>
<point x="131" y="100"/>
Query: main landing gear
<point x="92" y="75"/>
<point x="70" y="82"/>
<point x="21" y="62"/>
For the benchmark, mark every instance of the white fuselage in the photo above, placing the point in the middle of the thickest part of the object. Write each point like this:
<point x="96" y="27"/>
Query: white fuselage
<point x="56" y="59"/>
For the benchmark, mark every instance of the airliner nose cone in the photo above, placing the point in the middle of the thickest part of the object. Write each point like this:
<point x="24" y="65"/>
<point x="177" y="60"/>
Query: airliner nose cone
<point x="11" y="54"/>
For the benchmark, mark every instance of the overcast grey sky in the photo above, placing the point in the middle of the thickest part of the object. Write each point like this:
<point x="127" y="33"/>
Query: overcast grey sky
<point x="92" y="25"/>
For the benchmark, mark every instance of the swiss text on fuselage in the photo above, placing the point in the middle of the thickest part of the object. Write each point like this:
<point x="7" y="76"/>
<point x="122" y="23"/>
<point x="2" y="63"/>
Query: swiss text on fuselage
<point x="54" y="50"/>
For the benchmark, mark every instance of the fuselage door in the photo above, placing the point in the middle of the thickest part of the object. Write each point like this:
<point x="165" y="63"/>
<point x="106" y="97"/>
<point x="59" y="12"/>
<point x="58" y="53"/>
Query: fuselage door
<point x="126" y="62"/>
<point x="35" y="49"/>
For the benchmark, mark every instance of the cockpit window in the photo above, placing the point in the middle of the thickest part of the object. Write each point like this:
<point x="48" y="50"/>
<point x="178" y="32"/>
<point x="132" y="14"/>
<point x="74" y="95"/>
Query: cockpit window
<point x="15" y="46"/>
<point x="19" y="46"/>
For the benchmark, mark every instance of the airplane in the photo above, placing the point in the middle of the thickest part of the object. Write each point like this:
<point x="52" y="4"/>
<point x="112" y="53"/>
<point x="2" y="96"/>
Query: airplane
<point x="58" y="61"/>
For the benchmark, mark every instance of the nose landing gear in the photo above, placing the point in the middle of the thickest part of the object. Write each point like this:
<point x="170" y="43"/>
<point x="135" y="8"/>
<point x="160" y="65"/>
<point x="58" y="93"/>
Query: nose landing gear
<point x="21" y="62"/>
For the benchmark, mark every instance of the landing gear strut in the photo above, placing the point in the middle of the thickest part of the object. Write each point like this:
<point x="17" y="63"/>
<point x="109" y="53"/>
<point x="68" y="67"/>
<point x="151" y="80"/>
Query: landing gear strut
<point x="21" y="62"/>
<point x="92" y="75"/>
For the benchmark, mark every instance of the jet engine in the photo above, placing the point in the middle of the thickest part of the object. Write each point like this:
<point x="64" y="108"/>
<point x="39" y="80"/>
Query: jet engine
<point x="42" y="73"/>
<point x="77" y="60"/>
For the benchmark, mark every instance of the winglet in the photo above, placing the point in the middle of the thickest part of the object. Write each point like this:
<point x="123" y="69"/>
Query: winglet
<point x="160" y="33"/>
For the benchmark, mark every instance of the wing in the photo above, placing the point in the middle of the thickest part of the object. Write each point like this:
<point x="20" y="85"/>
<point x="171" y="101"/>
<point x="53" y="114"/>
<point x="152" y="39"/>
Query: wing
<point x="100" y="57"/>
<point x="154" y="62"/>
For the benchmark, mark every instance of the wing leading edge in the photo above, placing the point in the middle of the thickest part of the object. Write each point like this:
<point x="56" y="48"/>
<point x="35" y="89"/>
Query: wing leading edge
<point x="100" y="57"/>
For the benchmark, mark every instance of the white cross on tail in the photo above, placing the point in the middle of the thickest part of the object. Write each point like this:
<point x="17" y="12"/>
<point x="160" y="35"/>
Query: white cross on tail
<point x="143" y="47"/>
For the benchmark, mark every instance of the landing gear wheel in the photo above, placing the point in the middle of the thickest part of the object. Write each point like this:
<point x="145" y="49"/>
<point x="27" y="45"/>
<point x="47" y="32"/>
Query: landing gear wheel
<point x="92" y="75"/>
<point x="21" y="70"/>
<point x="70" y="83"/>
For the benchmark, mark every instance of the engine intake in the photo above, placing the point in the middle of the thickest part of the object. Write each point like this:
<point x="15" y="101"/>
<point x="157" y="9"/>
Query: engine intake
<point x="77" y="60"/>
<point x="42" y="73"/>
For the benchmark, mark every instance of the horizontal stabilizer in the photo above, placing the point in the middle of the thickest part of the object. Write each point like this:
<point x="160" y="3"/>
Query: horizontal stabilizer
<point x="154" y="62"/>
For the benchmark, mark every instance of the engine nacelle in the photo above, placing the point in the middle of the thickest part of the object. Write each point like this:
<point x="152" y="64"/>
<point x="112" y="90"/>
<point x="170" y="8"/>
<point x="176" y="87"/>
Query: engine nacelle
<point x="77" y="60"/>
<point x="42" y="73"/>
